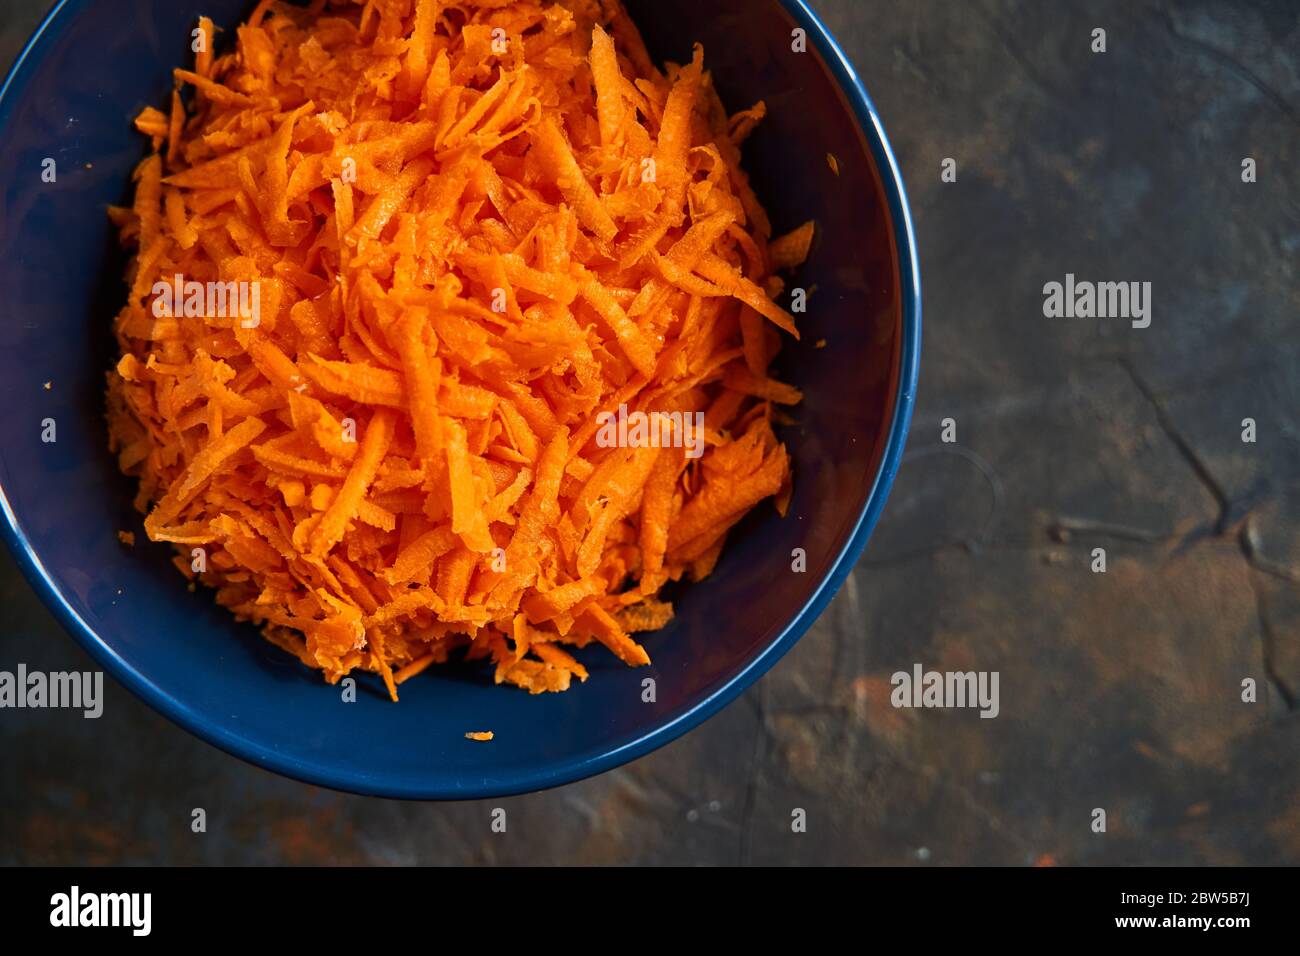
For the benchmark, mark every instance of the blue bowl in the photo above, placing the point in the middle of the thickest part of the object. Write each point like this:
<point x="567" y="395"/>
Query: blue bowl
<point x="72" y="96"/>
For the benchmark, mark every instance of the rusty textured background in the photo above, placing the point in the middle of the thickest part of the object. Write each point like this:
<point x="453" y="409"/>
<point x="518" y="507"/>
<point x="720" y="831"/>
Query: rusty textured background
<point x="1119" y="690"/>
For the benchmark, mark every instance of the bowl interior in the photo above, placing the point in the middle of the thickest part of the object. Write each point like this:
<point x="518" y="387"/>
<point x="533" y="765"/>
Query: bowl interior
<point x="72" y="101"/>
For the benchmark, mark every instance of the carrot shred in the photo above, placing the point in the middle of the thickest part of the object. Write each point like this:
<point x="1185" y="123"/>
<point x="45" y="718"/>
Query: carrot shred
<point x="791" y="250"/>
<point x="379" y="434"/>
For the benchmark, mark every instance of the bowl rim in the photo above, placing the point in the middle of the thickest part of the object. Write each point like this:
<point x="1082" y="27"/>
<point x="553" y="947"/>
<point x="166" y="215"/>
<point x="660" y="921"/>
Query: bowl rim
<point x="348" y="780"/>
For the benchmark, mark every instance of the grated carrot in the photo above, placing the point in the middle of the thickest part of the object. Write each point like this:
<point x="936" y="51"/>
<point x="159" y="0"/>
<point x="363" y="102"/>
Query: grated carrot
<point x="465" y="254"/>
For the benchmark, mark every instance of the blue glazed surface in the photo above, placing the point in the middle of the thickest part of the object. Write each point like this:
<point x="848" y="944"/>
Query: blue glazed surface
<point x="72" y="96"/>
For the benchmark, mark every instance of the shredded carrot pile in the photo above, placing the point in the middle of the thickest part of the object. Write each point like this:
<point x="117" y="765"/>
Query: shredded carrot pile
<point x="474" y="227"/>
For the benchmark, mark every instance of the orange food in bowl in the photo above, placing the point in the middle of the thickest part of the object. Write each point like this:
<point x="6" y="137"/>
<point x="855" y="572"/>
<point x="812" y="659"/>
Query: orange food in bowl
<point x="449" y="328"/>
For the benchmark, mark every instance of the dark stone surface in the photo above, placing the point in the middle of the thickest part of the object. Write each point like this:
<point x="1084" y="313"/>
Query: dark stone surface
<point x="1119" y="690"/>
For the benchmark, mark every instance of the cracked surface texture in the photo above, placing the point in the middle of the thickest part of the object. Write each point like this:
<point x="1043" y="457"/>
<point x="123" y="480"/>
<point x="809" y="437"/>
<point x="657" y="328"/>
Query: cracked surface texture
<point x="1119" y="690"/>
